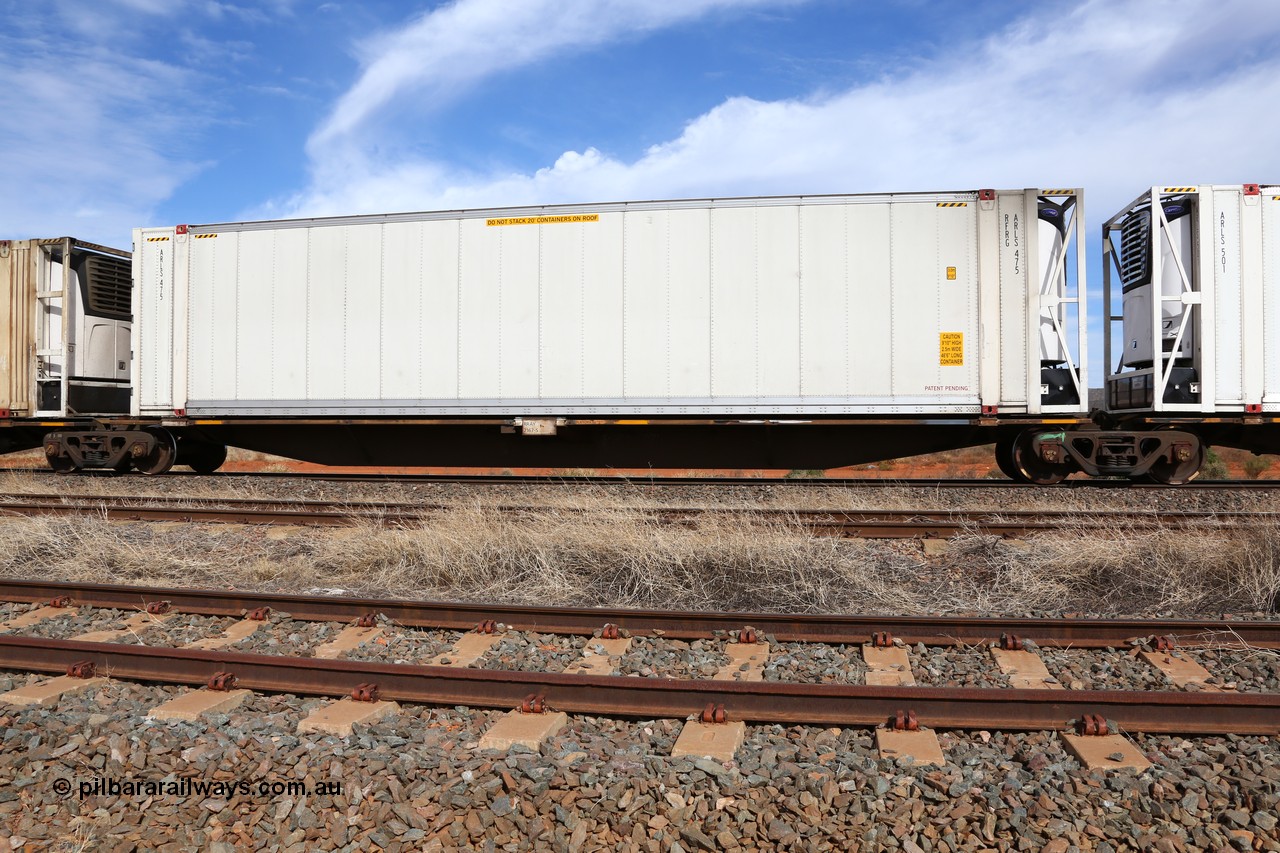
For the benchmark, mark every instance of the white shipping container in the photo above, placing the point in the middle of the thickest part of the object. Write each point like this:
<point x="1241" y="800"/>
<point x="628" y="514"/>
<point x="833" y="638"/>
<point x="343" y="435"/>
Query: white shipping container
<point x="922" y="303"/>
<point x="65" y="344"/>
<point x="1198" y="268"/>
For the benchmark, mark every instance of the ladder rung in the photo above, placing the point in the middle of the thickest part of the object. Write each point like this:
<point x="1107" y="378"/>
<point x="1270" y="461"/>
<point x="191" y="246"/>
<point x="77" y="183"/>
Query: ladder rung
<point x="48" y="352"/>
<point x="48" y="294"/>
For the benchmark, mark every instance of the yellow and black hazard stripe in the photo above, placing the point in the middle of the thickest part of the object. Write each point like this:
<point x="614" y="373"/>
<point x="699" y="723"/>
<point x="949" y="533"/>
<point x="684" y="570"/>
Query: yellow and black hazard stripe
<point x="952" y="204"/>
<point x="203" y="236"/>
<point x="157" y="239"/>
<point x="1179" y="189"/>
<point x="1057" y="192"/>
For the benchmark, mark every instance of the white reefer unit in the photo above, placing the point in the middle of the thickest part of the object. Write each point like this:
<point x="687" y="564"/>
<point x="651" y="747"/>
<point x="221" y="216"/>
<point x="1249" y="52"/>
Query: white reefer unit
<point x="65" y="346"/>
<point x="917" y="303"/>
<point x="1198" y="272"/>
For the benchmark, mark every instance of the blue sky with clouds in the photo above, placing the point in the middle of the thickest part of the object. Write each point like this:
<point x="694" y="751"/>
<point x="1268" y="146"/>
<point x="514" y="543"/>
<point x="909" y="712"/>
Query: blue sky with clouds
<point x="129" y="112"/>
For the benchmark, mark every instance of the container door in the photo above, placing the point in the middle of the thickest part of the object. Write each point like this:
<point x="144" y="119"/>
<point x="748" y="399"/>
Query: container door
<point x="53" y="344"/>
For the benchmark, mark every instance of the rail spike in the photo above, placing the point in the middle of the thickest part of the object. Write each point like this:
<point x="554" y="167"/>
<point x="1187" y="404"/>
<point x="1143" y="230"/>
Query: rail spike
<point x="82" y="669"/>
<point x="1092" y="725"/>
<point x="366" y="692"/>
<point x="222" y="681"/>
<point x="714" y="713"/>
<point x="905" y="721"/>
<point x="1011" y="642"/>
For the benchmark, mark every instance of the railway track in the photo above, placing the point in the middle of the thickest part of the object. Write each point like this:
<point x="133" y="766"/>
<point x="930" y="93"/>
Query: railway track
<point x="1209" y="710"/>
<point x="871" y="524"/>
<point x="680" y="481"/>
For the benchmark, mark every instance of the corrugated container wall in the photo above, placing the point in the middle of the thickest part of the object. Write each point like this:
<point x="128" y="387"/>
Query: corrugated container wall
<point x="916" y="303"/>
<point x="17" y="334"/>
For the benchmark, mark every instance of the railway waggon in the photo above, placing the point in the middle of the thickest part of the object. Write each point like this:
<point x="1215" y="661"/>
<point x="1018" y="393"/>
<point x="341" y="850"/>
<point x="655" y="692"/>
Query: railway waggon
<point x="768" y="332"/>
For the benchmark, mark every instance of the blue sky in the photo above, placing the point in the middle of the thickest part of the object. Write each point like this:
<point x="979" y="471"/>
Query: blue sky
<point x="121" y="113"/>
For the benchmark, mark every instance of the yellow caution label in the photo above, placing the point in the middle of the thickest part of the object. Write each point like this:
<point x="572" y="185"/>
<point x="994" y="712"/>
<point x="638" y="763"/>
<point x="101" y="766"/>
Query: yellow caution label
<point x="203" y="236"/>
<point x="157" y="239"/>
<point x="951" y="349"/>
<point x="952" y="204"/>
<point x="544" y="220"/>
<point x="1179" y="189"/>
<point x="1057" y="192"/>
<point x="951" y="273"/>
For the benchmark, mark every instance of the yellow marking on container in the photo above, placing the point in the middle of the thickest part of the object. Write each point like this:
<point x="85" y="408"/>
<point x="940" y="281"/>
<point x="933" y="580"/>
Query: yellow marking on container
<point x="157" y="239"/>
<point x="951" y="273"/>
<point x="203" y="236"/>
<point x="544" y="220"/>
<point x="1275" y="198"/>
<point x="952" y="204"/>
<point x="1057" y="192"/>
<point x="950" y="349"/>
<point x="633" y="423"/>
<point x="1179" y="189"/>
<point x="209" y="423"/>
<point x="54" y="423"/>
<point x="1060" y="421"/>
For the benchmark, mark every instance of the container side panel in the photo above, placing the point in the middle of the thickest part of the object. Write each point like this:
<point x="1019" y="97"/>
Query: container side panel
<point x="439" y="310"/>
<point x="689" y="293"/>
<point x="647" y="331"/>
<point x="364" y="312"/>
<point x="289" y="315"/>
<point x="17" y="305"/>
<point x="479" y="303"/>
<point x="870" y="343"/>
<point x="153" y="312"/>
<point x="778" y="297"/>
<point x="956" y="278"/>
<point x="212" y="321"/>
<point x="600" y="338"/>
<point x="403" y="337"/>
<point x="824" y="300"/>
<point x="255" y="349"/>
<point x="1014" y="355"/>
<point x="914" y="292"/>
<point x="518" y="333"/>
<point x="1228" y="321"/>
<point x="1271" y="293"/>
<point x="562" y="315"/>
<point x="326" y="313"/>
<point x="735" y="303"/>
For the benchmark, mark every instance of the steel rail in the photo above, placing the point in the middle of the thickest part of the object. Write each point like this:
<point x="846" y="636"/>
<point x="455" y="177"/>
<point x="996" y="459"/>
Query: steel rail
<point x="783" y="627"/>
<point x="660" y="480"/>
<point x="866" y="523"/>
<point x="758" y="702"/>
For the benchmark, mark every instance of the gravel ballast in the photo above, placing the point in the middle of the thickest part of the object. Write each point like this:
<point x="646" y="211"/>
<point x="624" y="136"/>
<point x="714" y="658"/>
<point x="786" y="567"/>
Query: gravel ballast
<point x="419" y="781"/>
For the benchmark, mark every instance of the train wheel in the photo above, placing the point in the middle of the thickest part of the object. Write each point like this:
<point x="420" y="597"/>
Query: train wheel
<point x="1031" y="467"/>
<point x="61" y="464"/>
<point x="1004" y="460"/>
<point x="208" y="458"/>
<point x="1177" y="473"/>
<point x="161" y="457"/>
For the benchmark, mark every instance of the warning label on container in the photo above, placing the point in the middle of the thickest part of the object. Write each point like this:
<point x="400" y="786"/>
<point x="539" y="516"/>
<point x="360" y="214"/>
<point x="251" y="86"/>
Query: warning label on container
<point x="545" y="220"/>
<point x="950" y="349"/>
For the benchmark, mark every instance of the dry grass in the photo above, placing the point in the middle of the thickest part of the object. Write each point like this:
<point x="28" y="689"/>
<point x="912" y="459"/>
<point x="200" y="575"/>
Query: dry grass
<point x="621" y="557"/>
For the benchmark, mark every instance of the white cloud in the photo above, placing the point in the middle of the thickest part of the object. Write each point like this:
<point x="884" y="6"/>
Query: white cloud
<point x="442" y="52"/>
<point x="97" y="132"/>
<point x="1109" y="95"/>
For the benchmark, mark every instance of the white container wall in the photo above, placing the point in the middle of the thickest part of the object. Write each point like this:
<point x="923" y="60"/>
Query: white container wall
<point x="893" y="304"/>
